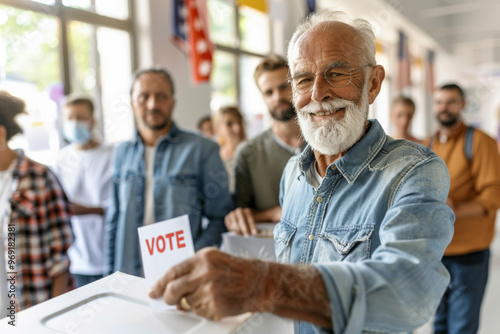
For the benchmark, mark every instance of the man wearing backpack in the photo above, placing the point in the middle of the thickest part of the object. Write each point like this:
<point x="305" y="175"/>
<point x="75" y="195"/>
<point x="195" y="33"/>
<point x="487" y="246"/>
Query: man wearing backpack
<point x="474" y="165"/>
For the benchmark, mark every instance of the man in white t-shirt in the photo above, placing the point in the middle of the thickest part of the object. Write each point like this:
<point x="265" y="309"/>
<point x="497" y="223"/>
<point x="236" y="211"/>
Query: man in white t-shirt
<point x="84" y="169"/>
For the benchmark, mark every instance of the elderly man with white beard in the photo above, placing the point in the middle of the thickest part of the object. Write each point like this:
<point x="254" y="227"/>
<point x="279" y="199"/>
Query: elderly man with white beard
<point x="364" y="222"/>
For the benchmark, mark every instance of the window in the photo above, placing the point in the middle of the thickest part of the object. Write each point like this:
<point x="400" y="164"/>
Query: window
<point x="118" y="9"/>
<point x="239" y="48"/>
<point x="224" y="79"/>
<point x="251" y="39"/>
<point x="51" y="48"/>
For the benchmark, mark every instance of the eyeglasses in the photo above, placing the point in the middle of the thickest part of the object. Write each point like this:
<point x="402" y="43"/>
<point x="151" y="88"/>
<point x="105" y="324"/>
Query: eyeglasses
<point x="336" y="76"/>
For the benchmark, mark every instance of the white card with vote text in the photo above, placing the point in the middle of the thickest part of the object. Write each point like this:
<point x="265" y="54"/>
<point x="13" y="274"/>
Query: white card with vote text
<point x="163" y="245"/>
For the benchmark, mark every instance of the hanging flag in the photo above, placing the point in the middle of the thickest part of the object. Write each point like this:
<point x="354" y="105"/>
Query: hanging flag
<point x="179" y="20"/>
<point x="404" y="75"/>
<point x="311" y="6"/>
<point x="260" y="5"/>
<point x="200" y="47"/>
<point x="429" y="73"/>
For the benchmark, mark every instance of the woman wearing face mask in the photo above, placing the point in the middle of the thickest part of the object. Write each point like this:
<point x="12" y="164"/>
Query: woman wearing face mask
<point x="84" y="169"/>
<point x="35" y="231"/>
<point x="230" y="132"/>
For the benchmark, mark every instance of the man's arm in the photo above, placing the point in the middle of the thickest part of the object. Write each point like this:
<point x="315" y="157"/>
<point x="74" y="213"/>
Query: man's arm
<point x="485" y="167"/>
<point x="217" y="199"/>
<point x="400" y="286"/>
<point x="217" y="285"/>
<point x="80" y="210"/>
<point x="243" y="187"/>
<point x="60" y="235"/>
<point x="243" y="221"/>
<point x="112" y="215"/>
<point x="272" y="214"/>
<point x="59" y="284"/>
<point x="396" y="290"/>
<point x="470" y="209"/>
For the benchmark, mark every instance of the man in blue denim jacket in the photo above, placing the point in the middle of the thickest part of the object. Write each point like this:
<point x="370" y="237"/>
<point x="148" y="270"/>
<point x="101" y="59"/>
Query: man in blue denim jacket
<point x="163" y="173"/>
<point x="367" y="211"/>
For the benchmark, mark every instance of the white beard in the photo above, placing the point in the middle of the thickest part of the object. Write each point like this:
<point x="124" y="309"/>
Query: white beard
<point x="331" y="136"/>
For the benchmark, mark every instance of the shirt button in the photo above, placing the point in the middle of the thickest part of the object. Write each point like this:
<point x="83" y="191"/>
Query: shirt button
<point x="319" y="199"/>
<point x="311" y="237"/>
<point x="333" y="167"/>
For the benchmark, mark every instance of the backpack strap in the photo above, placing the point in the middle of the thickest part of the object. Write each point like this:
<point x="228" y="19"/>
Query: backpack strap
<point x="431" y="141"/>
<point x="468" y="143"/>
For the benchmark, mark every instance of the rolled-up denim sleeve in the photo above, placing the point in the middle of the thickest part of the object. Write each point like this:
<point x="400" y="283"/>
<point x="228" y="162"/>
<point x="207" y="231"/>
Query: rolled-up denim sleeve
<point x="400" y="286"/>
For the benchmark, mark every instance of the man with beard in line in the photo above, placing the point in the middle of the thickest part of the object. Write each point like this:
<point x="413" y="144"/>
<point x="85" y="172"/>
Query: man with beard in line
<point x="164" y="172"/>
<point x="364" y="222"/>
<point x="260" y="161"/>
<point x="474" y="166"/>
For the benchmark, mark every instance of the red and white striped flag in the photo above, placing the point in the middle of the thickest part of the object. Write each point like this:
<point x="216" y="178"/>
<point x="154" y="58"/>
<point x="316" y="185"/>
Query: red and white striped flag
<point x="200" y="46"/>
<point x="429" y="75"/>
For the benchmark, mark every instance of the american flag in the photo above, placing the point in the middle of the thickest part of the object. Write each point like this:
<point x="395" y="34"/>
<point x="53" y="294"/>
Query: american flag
<point x="191" y="35"/>
<point x="311" y="6"/>
<point x="179" y="35"/>
<point x="404" y="75"/>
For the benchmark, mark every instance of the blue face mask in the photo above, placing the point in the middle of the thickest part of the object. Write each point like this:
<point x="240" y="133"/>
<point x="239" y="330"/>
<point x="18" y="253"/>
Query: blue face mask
<point x="77" y="132"/>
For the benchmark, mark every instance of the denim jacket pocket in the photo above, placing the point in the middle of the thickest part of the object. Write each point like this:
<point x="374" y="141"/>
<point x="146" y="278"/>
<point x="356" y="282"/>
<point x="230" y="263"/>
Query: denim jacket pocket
<point x="346" y="243"/>
<point x="183" y="187"/>
<point x="283" y="235"/>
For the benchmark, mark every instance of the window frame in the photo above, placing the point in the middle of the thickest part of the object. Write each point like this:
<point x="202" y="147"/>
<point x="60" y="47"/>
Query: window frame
<point x="238" y="52"/>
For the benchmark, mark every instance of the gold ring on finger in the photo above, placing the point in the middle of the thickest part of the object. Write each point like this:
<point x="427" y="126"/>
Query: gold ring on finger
<point x="185" y="304"/>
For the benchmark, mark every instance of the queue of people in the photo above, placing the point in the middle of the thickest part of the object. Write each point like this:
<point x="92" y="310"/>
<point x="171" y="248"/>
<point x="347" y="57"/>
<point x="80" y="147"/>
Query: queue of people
<point x="373" y="233"/>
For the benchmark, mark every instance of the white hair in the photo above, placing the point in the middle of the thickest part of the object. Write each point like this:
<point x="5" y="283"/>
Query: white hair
<point x="327" y="17"/>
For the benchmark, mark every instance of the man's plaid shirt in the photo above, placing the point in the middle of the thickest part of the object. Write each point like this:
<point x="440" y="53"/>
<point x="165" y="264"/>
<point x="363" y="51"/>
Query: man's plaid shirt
<point x="41" y="217"/>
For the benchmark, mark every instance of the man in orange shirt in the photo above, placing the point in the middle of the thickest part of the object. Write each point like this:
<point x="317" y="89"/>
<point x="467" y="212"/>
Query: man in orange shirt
<point x="474" y="165"/>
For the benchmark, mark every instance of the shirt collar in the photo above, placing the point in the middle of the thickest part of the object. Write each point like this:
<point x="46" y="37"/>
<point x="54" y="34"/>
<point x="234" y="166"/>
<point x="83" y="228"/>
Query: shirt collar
<point x="357" y="158"/>
<point x="281" y="142"/>
<point x="458" y="131"/>
<point x="172" y="136"/>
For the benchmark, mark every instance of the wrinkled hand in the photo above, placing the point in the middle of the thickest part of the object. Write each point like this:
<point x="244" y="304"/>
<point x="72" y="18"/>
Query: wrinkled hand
<point x="214" y="284"/>
<point x="241" y="221"/>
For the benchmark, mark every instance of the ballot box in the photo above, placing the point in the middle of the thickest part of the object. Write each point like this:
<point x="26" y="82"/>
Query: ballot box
<point x="119" y="304"/>
<point x="258" y="247"/>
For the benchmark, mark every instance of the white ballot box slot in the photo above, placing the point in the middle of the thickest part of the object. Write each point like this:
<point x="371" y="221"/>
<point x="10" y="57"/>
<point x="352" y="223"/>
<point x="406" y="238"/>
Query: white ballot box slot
<point x="259" y="247"/>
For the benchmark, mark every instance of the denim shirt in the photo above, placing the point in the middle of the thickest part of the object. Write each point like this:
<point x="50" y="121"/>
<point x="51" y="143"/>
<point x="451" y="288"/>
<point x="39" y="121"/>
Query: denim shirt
<point x="189" y="178"/>
<point x="376" y="229"/>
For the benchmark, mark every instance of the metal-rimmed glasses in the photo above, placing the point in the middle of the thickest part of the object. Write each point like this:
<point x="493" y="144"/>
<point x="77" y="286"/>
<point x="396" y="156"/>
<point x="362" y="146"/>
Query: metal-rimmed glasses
<point x="336" y="75"/>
